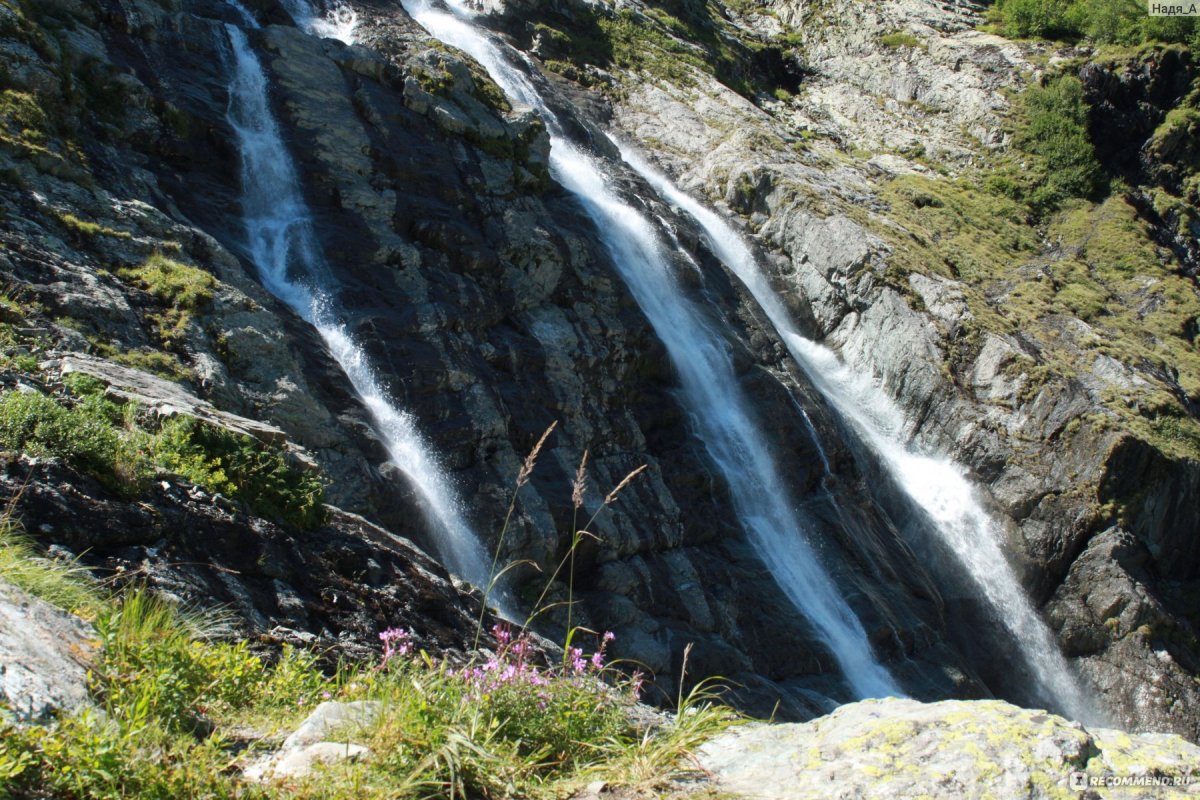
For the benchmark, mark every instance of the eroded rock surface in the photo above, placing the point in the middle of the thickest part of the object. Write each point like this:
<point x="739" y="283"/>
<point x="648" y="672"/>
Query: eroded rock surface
<point x="44" y="654"/>
<point x="951" y="749"/>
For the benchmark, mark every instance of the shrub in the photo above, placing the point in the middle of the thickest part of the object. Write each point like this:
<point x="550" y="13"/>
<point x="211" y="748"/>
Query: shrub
<point x="242" y="468"/>
<point x="1104" y="21"/>
<point x="1056" y="130"/>
<point x="84" y="436"/>
<point x="100" y="438"/>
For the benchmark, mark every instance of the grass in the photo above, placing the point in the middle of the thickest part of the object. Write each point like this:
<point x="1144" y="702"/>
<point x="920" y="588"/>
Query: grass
<point x="902" y="39"/>
<point x="88" y="230"/>
<point x="169" y="697"/>
<point x="122" y="451"/>
<point x="181" y="289"/>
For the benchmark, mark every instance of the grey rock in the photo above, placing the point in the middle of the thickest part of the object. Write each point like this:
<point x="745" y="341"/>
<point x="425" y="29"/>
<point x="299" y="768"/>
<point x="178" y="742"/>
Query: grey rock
<point x="331" y="717"/>
<point x="162" y="397"/>
<point x="303" y="761"/>
<point x="44" y="653"/>
<point x="323" y="738"/>
<point x="951" y="749"/>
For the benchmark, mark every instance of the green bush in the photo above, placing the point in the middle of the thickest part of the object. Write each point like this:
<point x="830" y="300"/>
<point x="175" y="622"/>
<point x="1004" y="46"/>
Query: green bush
<point x="104" y="440"/>
<point x="1105" y="21"/>
<point x="242" y="468"/>
<point x="84" y="436"/>
<point x="1056" y="130"/>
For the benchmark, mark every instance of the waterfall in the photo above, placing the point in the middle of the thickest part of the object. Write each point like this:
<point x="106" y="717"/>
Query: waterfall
<point x="720" y="414"/>
<point x="936" y="485"/>
<point x="282" y="244"/>
<point x="336" y="22"/>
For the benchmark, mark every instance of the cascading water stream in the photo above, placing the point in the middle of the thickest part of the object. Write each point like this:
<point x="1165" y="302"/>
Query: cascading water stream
<point x="701" y="358"/>
<point x="336" y="22"/>
<point x="938" y="486"/>
<point x="282" y="244"/>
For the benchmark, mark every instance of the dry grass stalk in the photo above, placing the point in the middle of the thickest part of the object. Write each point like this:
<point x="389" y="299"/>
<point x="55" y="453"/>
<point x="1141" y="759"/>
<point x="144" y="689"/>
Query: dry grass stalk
<point x="531" y="459"/>
<point x="611" y="496"/>
<point x="579" y="487"/>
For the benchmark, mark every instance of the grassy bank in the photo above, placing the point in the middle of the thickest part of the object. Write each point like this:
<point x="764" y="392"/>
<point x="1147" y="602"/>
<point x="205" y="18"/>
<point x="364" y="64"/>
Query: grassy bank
<point x="180" y="710"/>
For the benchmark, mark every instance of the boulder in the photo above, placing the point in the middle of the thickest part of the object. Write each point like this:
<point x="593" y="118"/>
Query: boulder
<point x="44" y="653"/>
<point x="953" y="749"/>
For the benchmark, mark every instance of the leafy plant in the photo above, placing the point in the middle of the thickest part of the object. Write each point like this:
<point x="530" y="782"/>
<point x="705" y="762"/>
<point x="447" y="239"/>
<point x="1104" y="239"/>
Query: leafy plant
<point x="1055" y="129"/>
<point x="1122" y="22"/>
<point x="100" y="438"/>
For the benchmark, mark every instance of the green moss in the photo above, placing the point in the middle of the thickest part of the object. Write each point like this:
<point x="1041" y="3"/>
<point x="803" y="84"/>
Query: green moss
<point x="669" y="41"/>
<point x="898" y="40"/>
<point x="87" y="230"/>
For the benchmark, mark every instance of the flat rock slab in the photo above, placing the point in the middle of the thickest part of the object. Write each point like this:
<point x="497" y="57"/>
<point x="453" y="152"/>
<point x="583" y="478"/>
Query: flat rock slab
<point x="163" y="397"/>
<point x="952" y="749"/>
<point x="43" y="653"/>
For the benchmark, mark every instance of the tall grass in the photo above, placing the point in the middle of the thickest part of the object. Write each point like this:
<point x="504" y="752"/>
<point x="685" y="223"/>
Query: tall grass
<point x="179" y="712"/>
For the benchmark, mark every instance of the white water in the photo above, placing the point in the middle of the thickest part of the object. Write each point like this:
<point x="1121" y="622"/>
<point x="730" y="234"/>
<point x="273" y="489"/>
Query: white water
<point x="284" y="248"/>
<point x="935" y="484"/>
<point x="338" y="21"/>
<point x="701" y="357"/>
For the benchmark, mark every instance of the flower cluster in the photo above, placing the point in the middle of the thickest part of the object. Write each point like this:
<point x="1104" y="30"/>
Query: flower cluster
<point x="510" y="664"/>
<point x="396" y="642"/>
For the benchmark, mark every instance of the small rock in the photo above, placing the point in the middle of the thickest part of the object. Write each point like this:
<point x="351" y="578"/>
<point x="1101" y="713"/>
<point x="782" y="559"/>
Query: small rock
<point x="329" y="716"/>
<point x="298" y="763"/>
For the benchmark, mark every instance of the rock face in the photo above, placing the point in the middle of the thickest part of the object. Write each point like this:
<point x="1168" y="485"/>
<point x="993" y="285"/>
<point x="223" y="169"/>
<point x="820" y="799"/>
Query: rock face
<point x="332" y="588"/>
<point x="489" y="309"/>
<point x="951" y="749"/>
<point x="44" y="654"/>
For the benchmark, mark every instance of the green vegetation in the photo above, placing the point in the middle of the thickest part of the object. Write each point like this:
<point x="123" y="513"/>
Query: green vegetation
<point x="901" y="39"/>
<point x="87" y="230"/>
<point x="1094" y="261"/>
<point x="670" y="41"/>
<point x="112" y="444"/>
<point x="1057" y="131"/>
<point x="1054" y="159"/>
<point x="180" y="713"/>
<point x="182" y="289"/>
<point x="1106" y="21"/>
<point x="63" y="585"/>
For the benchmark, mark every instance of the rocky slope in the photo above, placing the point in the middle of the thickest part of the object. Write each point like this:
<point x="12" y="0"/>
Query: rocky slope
<point x="490" y="309"/>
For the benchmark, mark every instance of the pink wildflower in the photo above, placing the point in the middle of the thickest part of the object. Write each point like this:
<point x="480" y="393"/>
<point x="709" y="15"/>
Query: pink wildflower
<point x="395" y="642"/>
<point x="636" y="683"/>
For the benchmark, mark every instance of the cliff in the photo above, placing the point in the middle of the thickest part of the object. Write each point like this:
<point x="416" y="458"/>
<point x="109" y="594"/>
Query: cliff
<point x="861" y="149"/>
